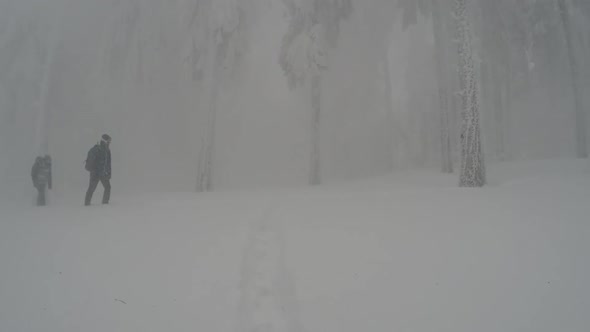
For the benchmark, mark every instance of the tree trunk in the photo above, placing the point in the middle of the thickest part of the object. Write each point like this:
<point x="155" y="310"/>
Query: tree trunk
<point x="205" y="178"/>
<point x="493" y="85"/>
<point x="495" y="75"/>
<point x="472" y="173"/>
<point x="581" y="149"/>
<point x="443" y="86"/>
<point x="206" y="155"/>
<point x="42" y="125"/>
<point x="498" y="104"/>
<point x="43" y="116"/>
<point x="316" y="101"/>
<point x="388" y="103"/>
<point x="507" y="96"/>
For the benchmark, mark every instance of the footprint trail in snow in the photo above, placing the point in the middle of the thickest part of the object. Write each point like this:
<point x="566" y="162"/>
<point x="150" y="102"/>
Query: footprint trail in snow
<point x="268" y="302"/>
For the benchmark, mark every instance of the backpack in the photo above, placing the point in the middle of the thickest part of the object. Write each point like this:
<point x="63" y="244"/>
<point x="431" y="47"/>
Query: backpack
<point x="90" y="163"/>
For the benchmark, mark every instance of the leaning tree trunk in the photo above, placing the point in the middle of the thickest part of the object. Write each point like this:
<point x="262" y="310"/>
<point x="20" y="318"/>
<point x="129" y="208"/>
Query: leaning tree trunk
<point x="443" y="86"/>
<point x="472" y="173"/>
<point x="316" y="100"/>
<point x="581" y="149"/>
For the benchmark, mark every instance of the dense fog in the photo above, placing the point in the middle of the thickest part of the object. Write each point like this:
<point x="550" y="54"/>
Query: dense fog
<point x="224" y="94"/>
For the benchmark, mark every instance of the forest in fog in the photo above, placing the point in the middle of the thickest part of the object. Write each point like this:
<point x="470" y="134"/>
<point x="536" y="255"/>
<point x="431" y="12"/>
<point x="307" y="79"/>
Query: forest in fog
<point x="213" y="95"/>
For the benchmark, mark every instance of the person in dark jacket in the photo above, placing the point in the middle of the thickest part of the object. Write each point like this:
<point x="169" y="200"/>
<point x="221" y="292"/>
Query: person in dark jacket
<point x="98" y="163"/>
<point x="41" y="176"/>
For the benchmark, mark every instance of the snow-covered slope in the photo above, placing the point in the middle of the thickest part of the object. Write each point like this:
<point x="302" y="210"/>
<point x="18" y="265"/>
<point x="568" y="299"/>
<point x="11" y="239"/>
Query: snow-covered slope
<point x="410" y="252"/>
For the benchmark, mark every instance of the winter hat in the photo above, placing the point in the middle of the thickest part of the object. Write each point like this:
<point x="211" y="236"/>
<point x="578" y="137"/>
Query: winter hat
<point x="106" y="138"/>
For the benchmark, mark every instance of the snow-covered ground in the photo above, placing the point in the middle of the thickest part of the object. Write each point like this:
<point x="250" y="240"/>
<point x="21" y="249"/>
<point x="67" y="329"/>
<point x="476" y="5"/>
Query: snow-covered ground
<point x="409" y="252"/>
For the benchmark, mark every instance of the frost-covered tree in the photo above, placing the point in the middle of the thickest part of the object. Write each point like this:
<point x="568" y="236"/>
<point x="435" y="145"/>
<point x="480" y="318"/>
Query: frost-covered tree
<point x="440" y="22"/>
<point x="207" y="37"/>
<point x="382" y="28"/>
<point x="472" y="172"/>
<point x="439" y="11"/>
<point x="564" y="12"/>
<point x="314" y="27"/>
<point x="411" y="9"/>
<point x="496" y="49"/>
<point x="43" y="117"/>
<point x="28" y="46"/>
<point x="224" y="42"/>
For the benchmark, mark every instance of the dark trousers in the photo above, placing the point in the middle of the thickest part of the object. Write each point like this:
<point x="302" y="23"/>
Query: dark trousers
<point x="40" y="195"/>
<point x="106" y="183"/>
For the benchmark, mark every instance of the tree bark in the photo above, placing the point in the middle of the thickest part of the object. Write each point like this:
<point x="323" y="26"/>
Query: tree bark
<point x="472" y="173"/>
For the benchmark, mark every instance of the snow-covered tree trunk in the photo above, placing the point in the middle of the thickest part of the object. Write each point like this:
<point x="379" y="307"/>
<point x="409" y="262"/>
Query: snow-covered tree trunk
<point x="316" y="106"/>
<point x="495" y="49"/>
<point x="388" y="102"/>
<point x="472" y="172"/>
<point x="205" y="161"/>
<point x="225" y="34"/>
<point x="42" y="125"/>
<point x="43" y="115"/>
<point x="581" y="149"/>
<point x="205" y="171"/>
<point x="497" y="103"/>
<point x="313" y="30"/>
<point x="443" y="86"/>
<point x="506" y="109"/>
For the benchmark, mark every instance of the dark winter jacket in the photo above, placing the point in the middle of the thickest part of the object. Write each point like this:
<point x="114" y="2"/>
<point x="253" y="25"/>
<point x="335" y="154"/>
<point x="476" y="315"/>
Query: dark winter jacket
<point x="99" y="159"/>
<point x="41" y="172"/>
